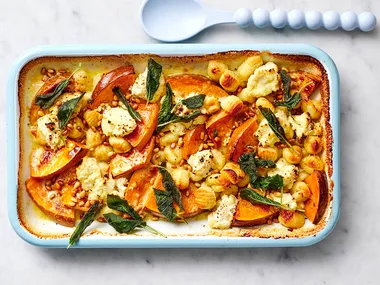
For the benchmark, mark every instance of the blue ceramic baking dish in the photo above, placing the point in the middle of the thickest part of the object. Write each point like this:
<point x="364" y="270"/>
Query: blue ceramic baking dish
<point x="13" y="147"/>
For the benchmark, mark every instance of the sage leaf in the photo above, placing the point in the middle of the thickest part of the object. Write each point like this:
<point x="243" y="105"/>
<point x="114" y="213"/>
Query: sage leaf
<point x="122" y="225"/>
<point x="194" y="102"/>
<point x="116" y="203"/>
<point x="152" y="78"/>
<point x="165" y="205"/>
<point x="134" y="114"/>
<point x="269" y="182"/>
<point x="290" y="103"/>
<point x="66" y="110"/>
<point x="45" y="101"/>
<point x="275" y="125"/>
<point x="286" y="81"/>
<point x="165" y="112"/>
<point x="170" y="186"/>
<point x="248" y="165"/>
<point x="253" y="197"/>
<point x="86" y="221"/>
<point x="175" y="119"/>
<point x="264" y="163"/>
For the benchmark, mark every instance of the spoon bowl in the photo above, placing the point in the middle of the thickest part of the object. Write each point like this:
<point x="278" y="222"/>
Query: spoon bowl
<point x="172" y="20"/>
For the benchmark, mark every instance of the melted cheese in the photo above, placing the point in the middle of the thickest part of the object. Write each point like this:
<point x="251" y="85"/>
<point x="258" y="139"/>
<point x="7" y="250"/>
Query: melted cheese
<point x="48" y="131"/>
<point x="117" y="122"/>
<point x="288" y="172"/>
<point x="224" y="214"/>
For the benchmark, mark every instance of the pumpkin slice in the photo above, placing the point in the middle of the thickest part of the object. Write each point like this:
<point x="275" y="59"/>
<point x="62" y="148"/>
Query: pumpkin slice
<point x="192" y="141"/>
<point x="122" y="77"/>
<point x="53" y="208"/>
<point x="185" y="84"/>
<point x="316" y="205"/>
<point x="140" y="184"/>
<point x="121" y="165"/>
<point x="47" y="87"/>
<point x="190" y="207"/>
<point x="144" y="129"/>
<point x="304" y="81"/>
<point x="219" y="127"/>
<point x="241" y="139"/>
<point x="248" y="214"/>
<point x="46" y="163"/>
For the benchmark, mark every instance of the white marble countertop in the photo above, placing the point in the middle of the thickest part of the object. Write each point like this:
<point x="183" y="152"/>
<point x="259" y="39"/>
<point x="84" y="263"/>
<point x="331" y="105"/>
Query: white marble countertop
<point x="350" y="255"/>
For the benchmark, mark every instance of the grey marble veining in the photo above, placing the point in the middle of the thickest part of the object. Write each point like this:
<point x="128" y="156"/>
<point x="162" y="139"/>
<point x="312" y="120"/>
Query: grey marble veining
<point x="350" y="255"/>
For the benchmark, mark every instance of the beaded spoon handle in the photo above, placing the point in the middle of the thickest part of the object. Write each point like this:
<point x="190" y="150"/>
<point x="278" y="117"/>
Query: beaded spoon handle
<point x="177" y="20"/>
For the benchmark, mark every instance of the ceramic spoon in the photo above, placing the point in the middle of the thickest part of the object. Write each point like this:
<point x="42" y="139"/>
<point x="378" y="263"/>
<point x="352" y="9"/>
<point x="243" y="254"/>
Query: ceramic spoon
<point x="177" y="20"/>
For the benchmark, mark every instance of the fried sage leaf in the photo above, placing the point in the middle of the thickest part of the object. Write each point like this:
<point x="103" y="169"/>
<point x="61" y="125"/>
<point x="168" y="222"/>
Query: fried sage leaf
<point x="170" y="186"/>
<point x="165" y="112"/>
<point x="194" y="102"/>
<point x="152" y="78"/>
<point x="45" y="101"/>
<point x="122" y="225"/>
<point x="134" y="114"/>
<point x="253" y="197"/>
<point x="86" y="221"/>
<point x="286" y="81"/>
<point x="175" y="119"/>
<point x="165" y="205"/>
<point x="275" y="125"/>
<point x="290" y="103"/>
<point x="66" y="110"/>
<point x="116" y="203"/>
<point x="248" y="165"/>
<point x="269" y="182"/>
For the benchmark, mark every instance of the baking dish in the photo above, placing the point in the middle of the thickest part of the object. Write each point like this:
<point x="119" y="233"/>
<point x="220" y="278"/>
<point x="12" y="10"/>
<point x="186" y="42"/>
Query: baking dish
<point x="98" y="240"/>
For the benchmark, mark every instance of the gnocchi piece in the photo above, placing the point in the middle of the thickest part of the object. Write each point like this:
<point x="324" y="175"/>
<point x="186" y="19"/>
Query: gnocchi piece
<point x="314" y="109"/>
<point x="231" y="174"/>
<point x="168" y="139"/>
<point x="300" y="192"/>
<point x="82" y="81"/>
<point x="173" y="155"/>
<point x="215" y="69"/>
<point x="267" y="153"/>
<point x="92" y="118"/>
<point x="158" y="158"/>
<point x="93" y="138"/>
<point x="313" y="144"/>
<point x="230" y="81"/>
<point x="231" y="190"/>
<point x="292" y="156"/>
<point x="314" y="129"/>
<point x="263" y="102"/>
<point x="103" y="152"/>
<point x="219" y="160"/>
<point x="213" y="181"/>
<point x="200" y="120"/>
<point x="120" y="145"/>
<point x="302" y="175"/>
<point x="311" y="163"/>
<point x="244" y="182"/>
<point x="205" y="197"/>
<point x="291" y="219"/>
<point x="211" y="104"/>
<point x="77" y="132"/>
<point x="247" y="68"/>
<point x="232" y="105"/>
<point x="181" y="178"/>
<point x="177" y="129"/>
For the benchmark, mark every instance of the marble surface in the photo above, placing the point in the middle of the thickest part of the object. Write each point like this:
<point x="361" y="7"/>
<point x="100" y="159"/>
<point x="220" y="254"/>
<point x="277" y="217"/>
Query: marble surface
<point x="350" y="255"/>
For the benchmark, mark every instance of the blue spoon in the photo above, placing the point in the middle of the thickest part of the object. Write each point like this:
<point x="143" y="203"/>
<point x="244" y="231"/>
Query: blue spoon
<point x="178" y="20"/>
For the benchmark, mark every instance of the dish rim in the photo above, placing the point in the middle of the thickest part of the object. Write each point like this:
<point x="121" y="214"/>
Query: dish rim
<point x="177" y="50"/>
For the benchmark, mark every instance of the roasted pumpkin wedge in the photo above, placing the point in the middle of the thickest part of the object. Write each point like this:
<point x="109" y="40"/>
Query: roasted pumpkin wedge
<point x="185" y="84"/>
<point x="192" y="140"/>
<point x="68" y="191"/>
<point x="144" y="129"/>
<point x="140" y="184"/>
<point x="248" y="214"/>
<point x="47" y="87"/>
<point x="122" y="77"/>
<point x="316" y="205"/>
<point x="304" y="81"/>
<point x="124" y="164"/>
<point x="54" y="208"/>
<point x="241" y="139"/>
<point x="219" y="127"/>
<point x="45" y="163"/>
<point x="190" y="207"/>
